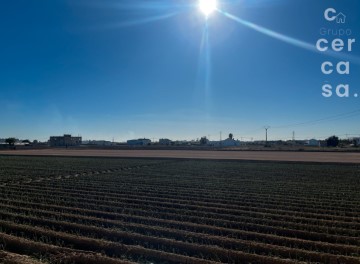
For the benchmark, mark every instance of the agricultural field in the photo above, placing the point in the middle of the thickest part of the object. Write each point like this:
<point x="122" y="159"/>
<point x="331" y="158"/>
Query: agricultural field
<point x="116" y="210"/>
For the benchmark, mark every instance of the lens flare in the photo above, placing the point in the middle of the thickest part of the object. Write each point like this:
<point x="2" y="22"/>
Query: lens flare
<point x="207" y="6"/>
<point x="290" y="40"/>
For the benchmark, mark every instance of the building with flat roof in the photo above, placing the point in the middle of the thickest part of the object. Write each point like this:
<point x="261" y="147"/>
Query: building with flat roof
<point x="139" y="142"/>
<point x="65" y="141"/>
<point x="165" y="141"/>
<point x="313" y="142"/>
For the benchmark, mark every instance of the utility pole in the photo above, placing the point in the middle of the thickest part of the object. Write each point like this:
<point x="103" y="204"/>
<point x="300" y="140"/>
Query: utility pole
<point x="266" y="134"/>
<point x="220" y="138"/>
<point x="293" y="136"/>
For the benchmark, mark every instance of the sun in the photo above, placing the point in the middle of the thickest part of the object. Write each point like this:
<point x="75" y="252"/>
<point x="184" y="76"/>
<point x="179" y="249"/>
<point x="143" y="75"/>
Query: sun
<point x="207" y="6"/>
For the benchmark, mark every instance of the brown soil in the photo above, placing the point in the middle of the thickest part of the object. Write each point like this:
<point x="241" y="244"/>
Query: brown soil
<point x="195" y="154"/>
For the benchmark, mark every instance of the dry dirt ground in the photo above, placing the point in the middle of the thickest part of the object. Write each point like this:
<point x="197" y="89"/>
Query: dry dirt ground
<point x="194" y="154"/>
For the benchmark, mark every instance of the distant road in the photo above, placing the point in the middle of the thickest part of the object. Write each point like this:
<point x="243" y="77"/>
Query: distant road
<point x="338" y="157"/>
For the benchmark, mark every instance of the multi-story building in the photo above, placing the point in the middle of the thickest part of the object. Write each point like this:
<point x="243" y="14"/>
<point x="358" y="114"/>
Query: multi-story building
<point x="64" y="141"/>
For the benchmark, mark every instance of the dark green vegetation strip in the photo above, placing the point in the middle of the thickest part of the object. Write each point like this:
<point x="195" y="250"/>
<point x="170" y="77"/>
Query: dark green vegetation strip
<point x="111" y="210"/>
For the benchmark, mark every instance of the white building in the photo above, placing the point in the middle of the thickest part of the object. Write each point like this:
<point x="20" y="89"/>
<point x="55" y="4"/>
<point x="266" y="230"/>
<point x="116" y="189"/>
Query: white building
<point x="165" y="141"/>
<point x="313" y="143"/>
<point x="230" y="142"/>
<point x="139" y="142"/>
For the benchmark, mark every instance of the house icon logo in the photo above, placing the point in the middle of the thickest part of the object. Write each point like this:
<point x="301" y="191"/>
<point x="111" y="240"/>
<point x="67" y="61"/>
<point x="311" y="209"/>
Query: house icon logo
<point x="331" y="15"/>
<point x="340" y="18"/>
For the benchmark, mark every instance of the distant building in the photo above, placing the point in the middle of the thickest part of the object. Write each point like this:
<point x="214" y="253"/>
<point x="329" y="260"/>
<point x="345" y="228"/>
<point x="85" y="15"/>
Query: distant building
<point x="313" y="143"/>
<point x="64" y="141"/>
<point x="182" y="143"/>
<point x="26" y="142"/>
<point x="165" y="141"/>
<point x="98" y="143"/>
<point x="139" y="142"/>
<point x="229" y="142"/>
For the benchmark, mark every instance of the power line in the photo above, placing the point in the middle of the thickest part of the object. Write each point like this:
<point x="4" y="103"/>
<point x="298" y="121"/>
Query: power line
<point x="313" y="122"/>
<point x="329" y="118"/>
<point x="252" y="131"/>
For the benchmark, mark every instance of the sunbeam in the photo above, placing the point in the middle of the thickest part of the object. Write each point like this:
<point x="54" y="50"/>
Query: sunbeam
<point x="204" y="67"/>
<point x="140" y="21"/>
<point x="140" y="12"/>
<point x="151" y="5"/>
<point x="290" y="40"/>
<point x="207" y="66"/>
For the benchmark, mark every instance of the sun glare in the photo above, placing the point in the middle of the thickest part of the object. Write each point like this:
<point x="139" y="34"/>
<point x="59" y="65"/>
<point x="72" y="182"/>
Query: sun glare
<point x="207" y="6"/>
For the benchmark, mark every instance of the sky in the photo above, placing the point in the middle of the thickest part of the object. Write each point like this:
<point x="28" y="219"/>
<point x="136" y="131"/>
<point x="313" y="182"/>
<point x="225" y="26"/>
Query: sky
<point x="124" y="69"/>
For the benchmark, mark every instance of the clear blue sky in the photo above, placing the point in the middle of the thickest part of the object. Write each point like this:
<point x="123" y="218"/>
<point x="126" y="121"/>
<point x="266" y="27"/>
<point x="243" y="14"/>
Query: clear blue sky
<point x="131" y="68"/>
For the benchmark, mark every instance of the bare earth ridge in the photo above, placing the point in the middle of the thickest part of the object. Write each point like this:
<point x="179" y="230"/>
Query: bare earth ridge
<point x="196" y="154"/>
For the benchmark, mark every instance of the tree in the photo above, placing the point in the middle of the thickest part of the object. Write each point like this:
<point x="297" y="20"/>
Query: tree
<point x="356" y="142"/>
<point x="10" y="141"/>
<point x="231" y="136"/>
<point x="345" y="142"/>
<point x="203" y="141"/>
<point x="332" y="141"/>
